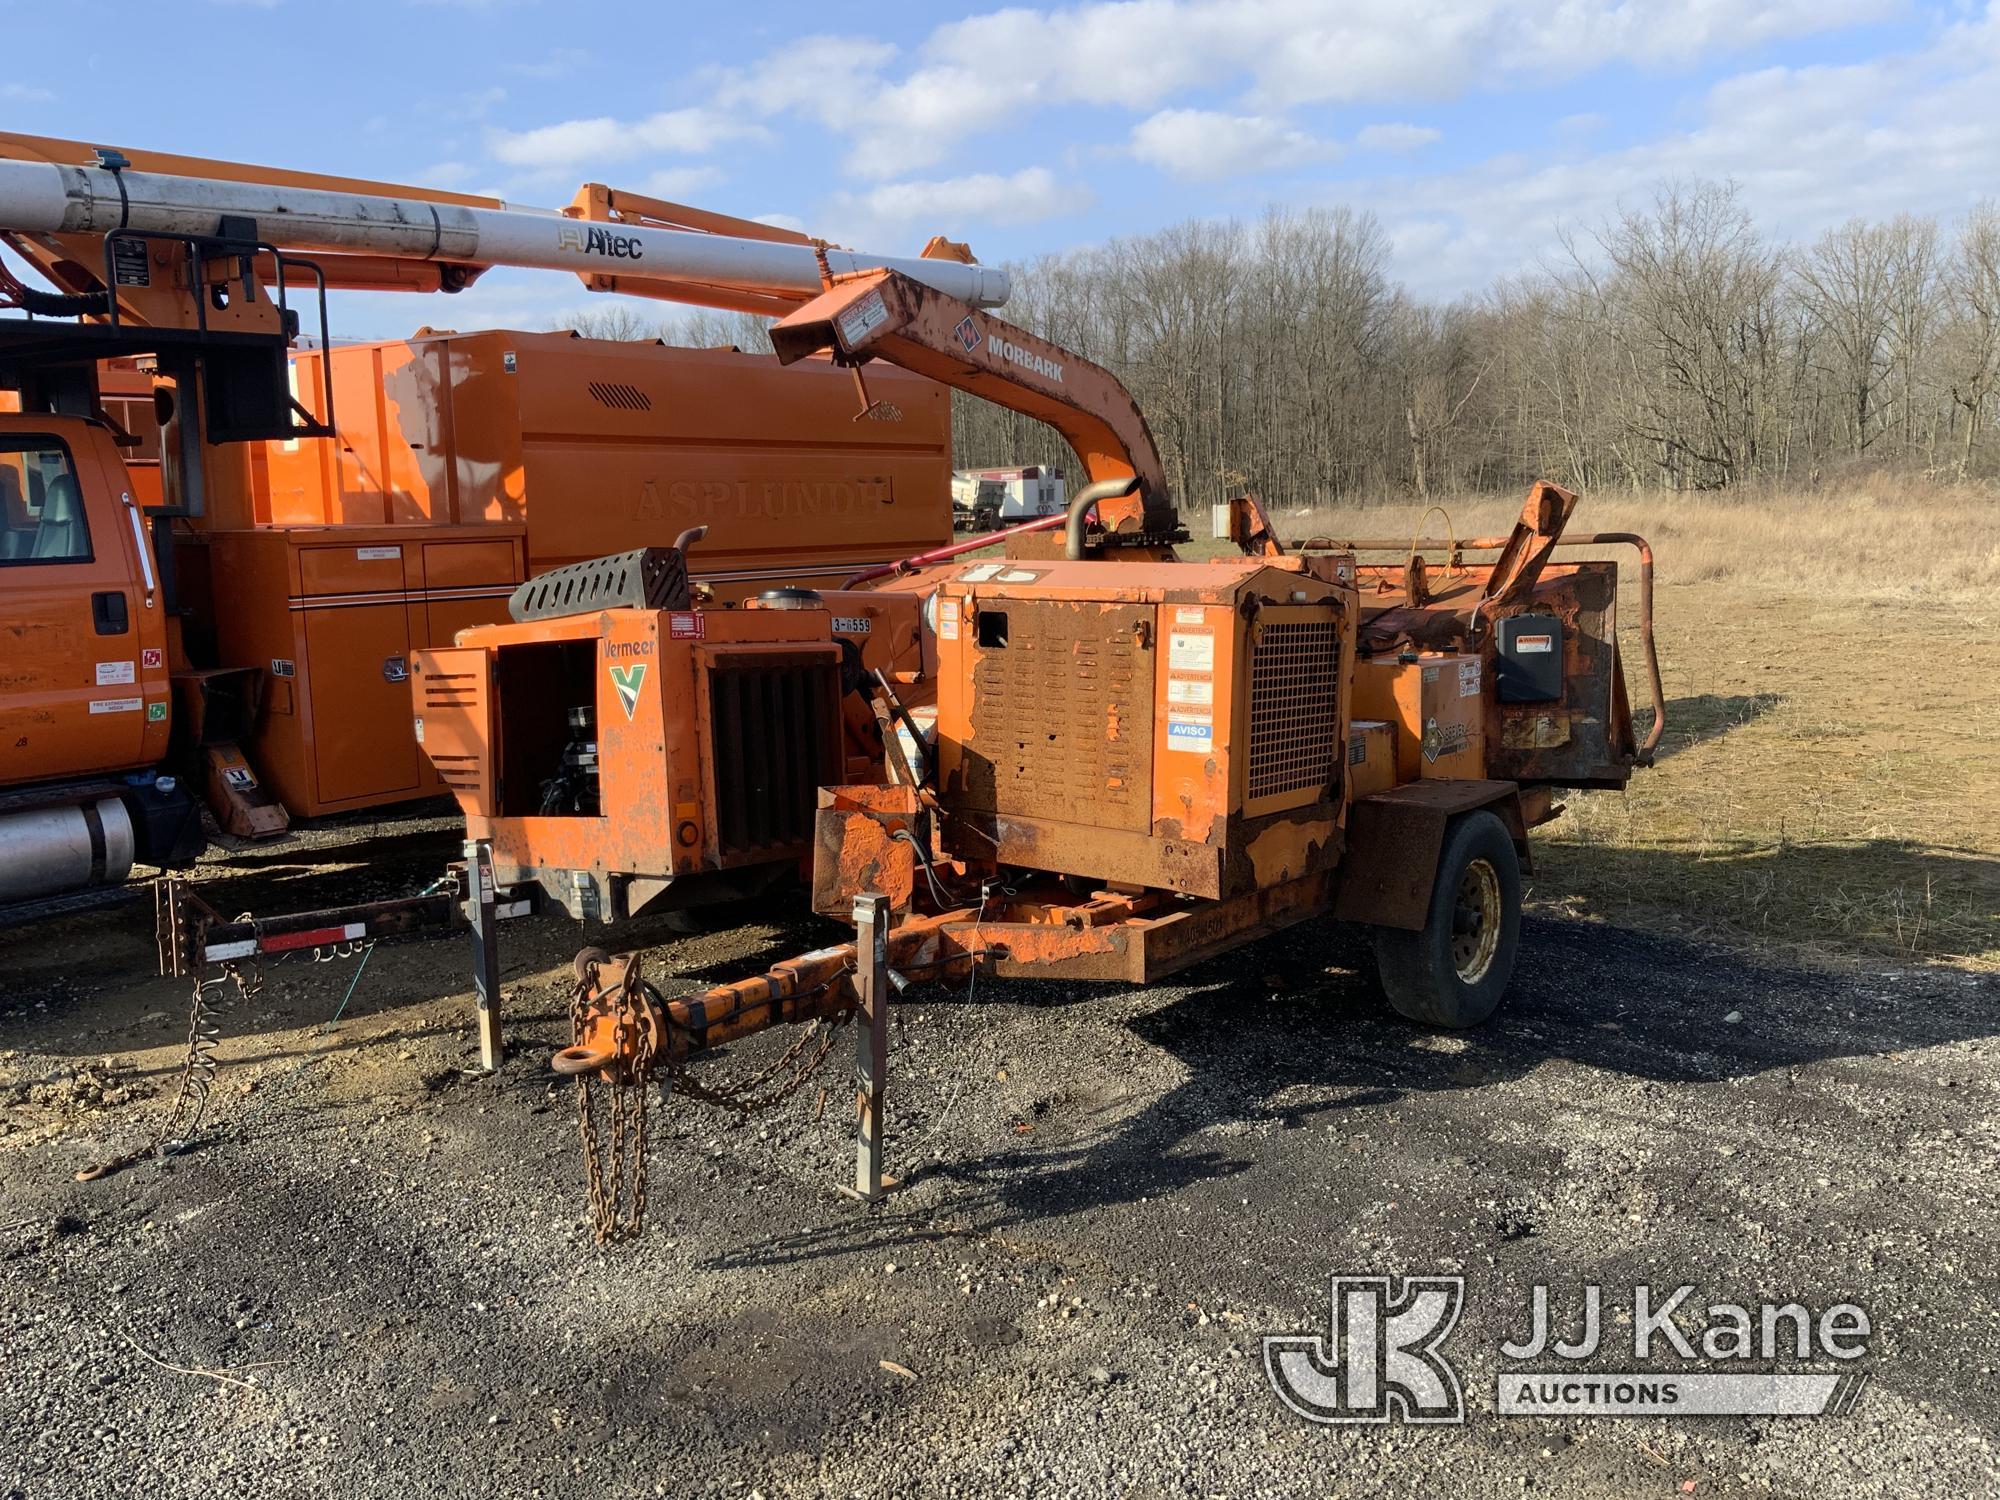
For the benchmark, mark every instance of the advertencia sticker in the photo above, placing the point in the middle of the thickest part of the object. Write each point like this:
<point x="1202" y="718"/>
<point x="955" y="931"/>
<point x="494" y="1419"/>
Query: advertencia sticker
<point x="1191" y="651"/>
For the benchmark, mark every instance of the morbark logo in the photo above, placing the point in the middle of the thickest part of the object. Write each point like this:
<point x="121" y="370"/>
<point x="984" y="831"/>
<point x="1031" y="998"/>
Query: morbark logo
<point x="1027" y="359"/>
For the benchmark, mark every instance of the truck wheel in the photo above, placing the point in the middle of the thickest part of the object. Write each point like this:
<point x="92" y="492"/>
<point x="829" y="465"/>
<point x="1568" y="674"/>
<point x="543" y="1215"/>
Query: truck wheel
<point x="1455" y="972"/>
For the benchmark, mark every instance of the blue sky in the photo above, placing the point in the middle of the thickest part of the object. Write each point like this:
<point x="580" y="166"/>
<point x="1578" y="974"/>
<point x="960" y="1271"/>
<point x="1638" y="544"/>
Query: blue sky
<point x="1473" y="130"/>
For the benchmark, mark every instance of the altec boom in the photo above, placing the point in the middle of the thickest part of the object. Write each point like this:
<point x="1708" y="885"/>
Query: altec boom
<point x="47" y="198"/>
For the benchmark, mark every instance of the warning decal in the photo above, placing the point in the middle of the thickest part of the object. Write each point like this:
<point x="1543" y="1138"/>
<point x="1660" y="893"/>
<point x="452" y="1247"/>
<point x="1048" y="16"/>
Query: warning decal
<point x="1191" y="651"/>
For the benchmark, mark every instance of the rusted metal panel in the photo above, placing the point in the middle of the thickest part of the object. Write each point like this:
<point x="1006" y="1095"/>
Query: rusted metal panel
<point x="866" y="839"/>
<point x="1393" y="842"/>
<point x="1194" y="933"/>
<point x="1063" y="712"/>
<point x="1569" y="741"/>
<point x="1161" y="863"/>
<point x="1543" y="516"/>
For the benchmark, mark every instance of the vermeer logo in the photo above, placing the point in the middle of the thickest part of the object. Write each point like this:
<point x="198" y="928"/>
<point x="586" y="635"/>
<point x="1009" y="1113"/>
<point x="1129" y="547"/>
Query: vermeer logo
<point x="626" y="681"/>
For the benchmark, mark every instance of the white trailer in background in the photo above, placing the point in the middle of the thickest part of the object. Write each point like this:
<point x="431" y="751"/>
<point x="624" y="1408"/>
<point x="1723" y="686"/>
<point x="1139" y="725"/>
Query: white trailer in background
<point x="1023" y="494"/>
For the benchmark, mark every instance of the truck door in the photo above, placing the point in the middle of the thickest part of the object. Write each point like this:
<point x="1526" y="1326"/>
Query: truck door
<point x="75" y="678"/>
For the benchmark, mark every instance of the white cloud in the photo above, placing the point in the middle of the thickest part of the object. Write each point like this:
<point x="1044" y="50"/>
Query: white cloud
<point x="979" y="74"/>
<point x="952" y="206"/>
<point x="822" y="77"/>
<point x="1808" y="147"/>
<point x="681" y="182"/>
<point x="1395" y="138"/>
<point x="557" y="63"/>
<point x="22" y="93"/>
<point x="444" y="174"/>
<point x="1202" y="144"/>
<point x="781" y="221"/>
<point x="685" y="132"/>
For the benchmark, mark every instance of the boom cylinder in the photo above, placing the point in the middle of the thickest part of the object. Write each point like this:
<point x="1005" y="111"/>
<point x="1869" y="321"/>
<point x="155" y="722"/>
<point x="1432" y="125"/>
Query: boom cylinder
<point x="49" y="198"/>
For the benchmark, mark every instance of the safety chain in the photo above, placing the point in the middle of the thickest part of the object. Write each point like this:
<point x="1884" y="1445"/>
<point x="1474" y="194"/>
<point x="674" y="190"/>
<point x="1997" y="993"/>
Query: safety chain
<point x="205" y="1012"/>
<point x="616" y="1174"/>
<point x="739" y="1094"/>
<point x="206" y="1008"/>
<point x="614" y="1158"/>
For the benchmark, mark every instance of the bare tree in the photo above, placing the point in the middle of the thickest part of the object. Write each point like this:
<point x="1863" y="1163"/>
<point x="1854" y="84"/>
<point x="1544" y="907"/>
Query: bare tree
<point x="1844" y="284"/>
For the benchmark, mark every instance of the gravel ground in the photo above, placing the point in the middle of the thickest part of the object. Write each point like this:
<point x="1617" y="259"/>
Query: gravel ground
<point x="376" y="1278"/>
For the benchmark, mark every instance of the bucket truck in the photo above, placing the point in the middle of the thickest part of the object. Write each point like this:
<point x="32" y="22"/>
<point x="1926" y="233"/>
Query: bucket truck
<point x="240" y="594"/>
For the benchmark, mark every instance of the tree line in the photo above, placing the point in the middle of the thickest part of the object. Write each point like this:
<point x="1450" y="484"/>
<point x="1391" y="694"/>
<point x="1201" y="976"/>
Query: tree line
<point x="1673" y="346"/>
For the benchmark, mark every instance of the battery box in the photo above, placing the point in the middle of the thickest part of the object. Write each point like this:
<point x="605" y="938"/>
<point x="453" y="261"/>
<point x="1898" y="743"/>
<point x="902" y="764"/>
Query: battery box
<point x="1434" y="701"/>
<point x="1528" y="659"/>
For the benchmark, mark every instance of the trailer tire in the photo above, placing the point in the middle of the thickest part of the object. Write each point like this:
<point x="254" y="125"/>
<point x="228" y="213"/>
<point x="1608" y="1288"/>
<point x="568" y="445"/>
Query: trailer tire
<point x="1455" y="972"/>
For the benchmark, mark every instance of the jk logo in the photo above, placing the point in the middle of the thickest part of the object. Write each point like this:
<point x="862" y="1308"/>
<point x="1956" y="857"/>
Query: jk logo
<point x="1381" y="1359"/>
<point x="626" y="680"/>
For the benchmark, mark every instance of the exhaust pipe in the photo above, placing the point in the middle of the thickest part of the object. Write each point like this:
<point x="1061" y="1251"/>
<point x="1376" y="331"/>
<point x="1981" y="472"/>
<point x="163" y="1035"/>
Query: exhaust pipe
<point x="1080" y="507"/>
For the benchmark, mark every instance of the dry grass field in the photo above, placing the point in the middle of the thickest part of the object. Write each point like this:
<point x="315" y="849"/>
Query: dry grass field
<point x="1829" y="784"/>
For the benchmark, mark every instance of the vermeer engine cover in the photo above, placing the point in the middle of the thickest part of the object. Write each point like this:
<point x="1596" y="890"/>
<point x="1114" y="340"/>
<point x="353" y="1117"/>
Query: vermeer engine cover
<point x="1169" y="725"/>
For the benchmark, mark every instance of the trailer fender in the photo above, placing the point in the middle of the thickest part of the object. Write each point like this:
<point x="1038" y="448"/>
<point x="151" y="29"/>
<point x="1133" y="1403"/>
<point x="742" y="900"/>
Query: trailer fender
<point x="1394" y="839"/>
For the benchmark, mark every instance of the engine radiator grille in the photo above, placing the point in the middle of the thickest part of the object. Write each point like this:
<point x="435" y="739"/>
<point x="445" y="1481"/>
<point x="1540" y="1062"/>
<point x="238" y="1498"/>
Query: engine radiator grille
<point x="1294" y="668"/>
<point x="774" y="728"/>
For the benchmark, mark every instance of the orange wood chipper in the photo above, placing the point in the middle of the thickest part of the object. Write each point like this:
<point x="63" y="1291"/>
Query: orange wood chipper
<point x="1118" y="763"/>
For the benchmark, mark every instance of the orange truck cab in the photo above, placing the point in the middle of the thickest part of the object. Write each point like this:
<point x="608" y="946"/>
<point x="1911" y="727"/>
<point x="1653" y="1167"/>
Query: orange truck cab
<point x="84" y="687"/>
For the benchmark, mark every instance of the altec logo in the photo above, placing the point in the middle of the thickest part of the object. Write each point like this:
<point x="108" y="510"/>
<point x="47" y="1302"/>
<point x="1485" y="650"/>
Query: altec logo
<point x="582" y="241"/>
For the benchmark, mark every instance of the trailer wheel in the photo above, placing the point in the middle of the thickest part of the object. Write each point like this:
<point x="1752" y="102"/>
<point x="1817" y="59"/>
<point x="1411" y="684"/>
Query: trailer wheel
<point x="1455" y="971"/>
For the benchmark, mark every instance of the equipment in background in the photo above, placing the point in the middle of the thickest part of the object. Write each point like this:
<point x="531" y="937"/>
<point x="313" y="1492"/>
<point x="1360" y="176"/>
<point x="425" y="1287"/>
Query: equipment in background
<point x="986" y="499"/>
<point x="264" y="547"/>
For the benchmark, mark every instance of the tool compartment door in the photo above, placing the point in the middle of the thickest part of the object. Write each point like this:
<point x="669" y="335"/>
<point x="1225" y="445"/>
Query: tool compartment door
<point x="71" y="662"/>
<point x="452" y="688"/>
<point x="357" y="670"/>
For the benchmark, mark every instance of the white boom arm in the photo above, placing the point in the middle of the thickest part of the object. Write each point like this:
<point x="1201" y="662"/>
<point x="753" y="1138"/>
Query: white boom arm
<point x="45" y="198"/>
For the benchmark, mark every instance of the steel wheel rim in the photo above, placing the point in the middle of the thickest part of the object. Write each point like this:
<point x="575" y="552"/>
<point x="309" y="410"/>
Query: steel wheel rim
<point x="1475" y="921"/>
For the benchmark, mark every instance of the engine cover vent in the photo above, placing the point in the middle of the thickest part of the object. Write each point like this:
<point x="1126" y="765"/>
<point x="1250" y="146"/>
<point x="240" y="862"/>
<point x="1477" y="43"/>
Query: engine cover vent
<point x="649" y="578"/>
<point x="1294" y="709"/>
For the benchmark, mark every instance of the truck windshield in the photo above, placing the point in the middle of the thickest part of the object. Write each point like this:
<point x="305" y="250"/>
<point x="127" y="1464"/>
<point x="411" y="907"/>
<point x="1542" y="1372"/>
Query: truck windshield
<point x="41" y="503"/>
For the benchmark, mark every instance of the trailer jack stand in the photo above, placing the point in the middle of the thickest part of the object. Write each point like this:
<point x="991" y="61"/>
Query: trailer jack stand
<point x="871" y="1046"/>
